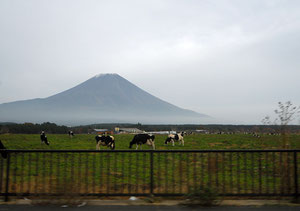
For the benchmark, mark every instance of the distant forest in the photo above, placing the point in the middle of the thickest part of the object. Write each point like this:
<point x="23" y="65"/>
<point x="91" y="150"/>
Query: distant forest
<point x="30" y="128"/>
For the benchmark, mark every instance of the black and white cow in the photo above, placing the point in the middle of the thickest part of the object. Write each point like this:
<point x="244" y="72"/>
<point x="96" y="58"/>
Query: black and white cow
<point x="140" y="139"/>
<point x="103" y="140"/>
<point x="44" y="138"/>
<point x="175" y="137"/>
<point x="256" y="135"/>
<point x="71" y="134"/>
<point x="3" y="154"/>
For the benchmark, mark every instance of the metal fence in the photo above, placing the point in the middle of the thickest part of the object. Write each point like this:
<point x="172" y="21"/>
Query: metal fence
<point x="145" y="172"/>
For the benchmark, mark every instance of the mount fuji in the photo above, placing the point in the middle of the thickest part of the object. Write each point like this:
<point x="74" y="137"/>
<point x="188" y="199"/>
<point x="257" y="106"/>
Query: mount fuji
<point x="105" y="98"/>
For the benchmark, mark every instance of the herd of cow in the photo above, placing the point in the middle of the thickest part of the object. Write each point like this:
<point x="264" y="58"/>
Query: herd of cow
<point x="138" y="140"/>
<point x="109" y="141"/>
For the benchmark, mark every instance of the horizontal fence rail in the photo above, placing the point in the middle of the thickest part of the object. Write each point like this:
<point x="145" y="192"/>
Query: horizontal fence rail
<point x="145" y="172"/>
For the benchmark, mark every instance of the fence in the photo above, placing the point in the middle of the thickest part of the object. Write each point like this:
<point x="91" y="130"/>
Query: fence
<point x="144" y="172"/>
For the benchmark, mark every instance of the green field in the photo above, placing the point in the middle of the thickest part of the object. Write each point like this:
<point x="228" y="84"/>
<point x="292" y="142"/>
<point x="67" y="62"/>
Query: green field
<point x="124" y="172"/>
<point x="199" y="141"/>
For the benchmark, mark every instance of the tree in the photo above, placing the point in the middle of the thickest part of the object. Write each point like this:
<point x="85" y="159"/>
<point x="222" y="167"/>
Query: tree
<point x="286" y="114"/>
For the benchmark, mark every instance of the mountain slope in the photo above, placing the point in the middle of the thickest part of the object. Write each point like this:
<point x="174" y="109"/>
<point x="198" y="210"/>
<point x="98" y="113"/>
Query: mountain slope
<point x="103" y="98"/>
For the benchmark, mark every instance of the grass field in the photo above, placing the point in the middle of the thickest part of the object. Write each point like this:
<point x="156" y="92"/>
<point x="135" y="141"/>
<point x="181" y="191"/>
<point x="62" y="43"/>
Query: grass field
<point x="94" y="173"/>
<point x="199" y="141"/>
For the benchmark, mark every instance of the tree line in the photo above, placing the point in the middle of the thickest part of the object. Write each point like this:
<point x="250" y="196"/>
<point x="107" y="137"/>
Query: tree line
<point x="30" y="128"/>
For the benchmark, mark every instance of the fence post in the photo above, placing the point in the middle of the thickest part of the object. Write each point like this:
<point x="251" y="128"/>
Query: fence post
<point x="151" y="172"/>
<point x="296" y="175"/>
<point x="7" y="177"/>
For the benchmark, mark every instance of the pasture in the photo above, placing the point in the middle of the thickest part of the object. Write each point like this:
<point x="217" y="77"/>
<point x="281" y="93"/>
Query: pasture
<point x="198" y="141"/>
<point x="88" y="173"/>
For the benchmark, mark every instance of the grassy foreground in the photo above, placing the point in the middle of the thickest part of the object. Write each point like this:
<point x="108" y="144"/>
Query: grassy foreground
<point x="94" y="173"/>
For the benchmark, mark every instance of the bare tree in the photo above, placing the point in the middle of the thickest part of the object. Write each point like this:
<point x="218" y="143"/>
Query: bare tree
<point x="266" y="120"/>
<point x="286" y="113"/>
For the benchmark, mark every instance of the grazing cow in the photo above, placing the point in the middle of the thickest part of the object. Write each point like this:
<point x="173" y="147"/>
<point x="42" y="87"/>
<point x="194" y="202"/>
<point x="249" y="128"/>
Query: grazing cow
<point x="108" y="141"/>
<point x="4" y="154"/>
<point x="44" y="138"/>
<point x="175" y="137"/>
<point x="140" y="139"/>
<point x="71" y="134"/>
<point x="256" y="135"/>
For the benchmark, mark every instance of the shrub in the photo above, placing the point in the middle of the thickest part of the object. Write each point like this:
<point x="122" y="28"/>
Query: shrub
<point x="202" y="197"/>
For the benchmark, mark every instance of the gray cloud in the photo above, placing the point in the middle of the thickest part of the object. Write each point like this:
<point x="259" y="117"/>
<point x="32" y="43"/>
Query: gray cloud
<point x="229" y="59"/>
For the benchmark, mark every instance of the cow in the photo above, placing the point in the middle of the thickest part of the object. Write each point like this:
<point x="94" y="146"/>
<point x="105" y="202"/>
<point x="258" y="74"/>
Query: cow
<point x="175" y="137"/>
<point x="3" y="154"/>
<point x="103" y="140"/>
<point x="71" y="134"/>
<point x="44" y="138"/>
<point x="140" y="139"/>
<point x="256" y="135"/>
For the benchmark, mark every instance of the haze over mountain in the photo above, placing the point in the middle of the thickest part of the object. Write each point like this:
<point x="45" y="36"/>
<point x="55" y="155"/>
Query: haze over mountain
<point x="102" y="99"/>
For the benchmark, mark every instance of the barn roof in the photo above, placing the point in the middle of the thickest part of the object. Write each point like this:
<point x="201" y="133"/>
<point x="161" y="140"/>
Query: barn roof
<point x="100" y="130"/>
<point x="135" y="130"/>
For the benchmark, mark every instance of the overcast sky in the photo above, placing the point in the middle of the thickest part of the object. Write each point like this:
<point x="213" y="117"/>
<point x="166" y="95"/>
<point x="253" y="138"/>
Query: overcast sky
<point x="230" y="59"/>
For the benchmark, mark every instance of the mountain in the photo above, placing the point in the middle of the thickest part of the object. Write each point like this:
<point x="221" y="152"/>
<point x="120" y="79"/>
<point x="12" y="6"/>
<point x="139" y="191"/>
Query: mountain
<point x="103" y="98"/>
